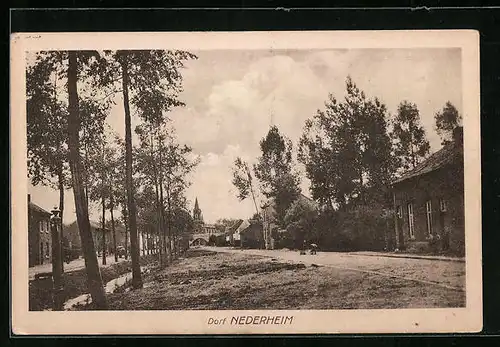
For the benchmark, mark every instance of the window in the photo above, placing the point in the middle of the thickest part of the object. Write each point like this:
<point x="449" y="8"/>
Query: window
<point x="428" y="207"/>
<point x="411" y="225"/>
<point x="47" y="249"/>
<point x="443" y="205"/>
<point x="399" y="212"/>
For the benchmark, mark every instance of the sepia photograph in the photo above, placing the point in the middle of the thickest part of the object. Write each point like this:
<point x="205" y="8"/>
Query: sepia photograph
<point x="247" y="183"/>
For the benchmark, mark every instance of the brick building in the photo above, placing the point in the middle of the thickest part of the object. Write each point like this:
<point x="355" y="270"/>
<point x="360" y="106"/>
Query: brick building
<point x="39" y="237"/>
<point x="72" y="236"/>
<point x="429" y="202"/>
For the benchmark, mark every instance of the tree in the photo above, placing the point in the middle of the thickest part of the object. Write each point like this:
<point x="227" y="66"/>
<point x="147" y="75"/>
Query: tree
<point x="410" y="143"/>
<point x="300" y="219"/>
<point x="446" y="121"/>
<point x="47" y="131"/>
<point x="164" y="164"/>
<point x="71" y="68"/>
<point x="154" y="81"/>
<point x="346" y="151"/>
<point x="93" y="274"/>
<point x="182" y="224"/>
<point x="243" y="181"/>
<point x="177" y="164"/>
<point x="274" y="171"/>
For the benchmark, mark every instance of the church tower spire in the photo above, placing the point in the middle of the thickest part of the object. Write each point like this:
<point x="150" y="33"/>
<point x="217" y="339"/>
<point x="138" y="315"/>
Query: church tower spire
<point x="197" y="216"/>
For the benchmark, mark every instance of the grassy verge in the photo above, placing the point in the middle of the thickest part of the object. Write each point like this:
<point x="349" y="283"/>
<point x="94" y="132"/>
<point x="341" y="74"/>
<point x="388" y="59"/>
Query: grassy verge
<point x="75" y="283"/>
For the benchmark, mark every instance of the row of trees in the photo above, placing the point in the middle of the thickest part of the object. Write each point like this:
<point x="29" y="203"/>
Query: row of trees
<point x="351" y="151"/>
<point x="69" y="96"/>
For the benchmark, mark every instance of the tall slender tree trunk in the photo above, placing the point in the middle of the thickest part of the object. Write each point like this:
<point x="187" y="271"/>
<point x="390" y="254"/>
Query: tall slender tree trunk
<point x="165" y="240"/>
<point x="94" y="279"/>
<point x="126" y="231"/>
<point x="134" y="242"/>
<point x="85" y="169"/>
<point x="169" y="222"/>
<point x="103" y="184"/>
<point x="111" y="208"/>
<point x="61" y="208"/>
<point x="159" y="226"/>
<point x="103" y="230"/>
<point x="56" y="267"/>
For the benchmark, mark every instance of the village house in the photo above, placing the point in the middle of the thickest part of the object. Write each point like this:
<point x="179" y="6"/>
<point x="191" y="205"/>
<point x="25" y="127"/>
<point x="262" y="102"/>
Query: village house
<point x="39" y="236"/>
<point x="232" y="237"/>
<point x="429" y="202"/>
<point x="72" y="236"/>
<point x="251" y="234"/>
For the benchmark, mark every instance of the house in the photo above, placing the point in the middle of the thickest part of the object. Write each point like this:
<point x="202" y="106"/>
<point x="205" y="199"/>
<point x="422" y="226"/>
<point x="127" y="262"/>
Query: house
<point x="269" y="223"/>
<point x="251" y="234"/>
<point x="429" y="202"/>
<point x="39" y="236"/>
<point x="72" y="236"/>
<point x="233" y="238"/>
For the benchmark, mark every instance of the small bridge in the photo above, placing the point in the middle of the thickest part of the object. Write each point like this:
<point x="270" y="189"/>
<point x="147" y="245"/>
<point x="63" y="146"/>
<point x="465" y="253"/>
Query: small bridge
<point x="202" y="239"/>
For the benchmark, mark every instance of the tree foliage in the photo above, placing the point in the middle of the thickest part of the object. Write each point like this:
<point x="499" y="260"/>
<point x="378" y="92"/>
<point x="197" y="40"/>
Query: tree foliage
<point x="346" y="150"/>
<point x="411" y="144"/>
<point x="300" y="219"/>
<point x="446" y="121"/>
<point x="274" y="170"/>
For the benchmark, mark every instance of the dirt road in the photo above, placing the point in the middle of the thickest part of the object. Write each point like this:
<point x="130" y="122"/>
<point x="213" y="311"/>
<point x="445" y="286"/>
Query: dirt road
<point x="221" y="278"/>
<point x="446" y="274"/>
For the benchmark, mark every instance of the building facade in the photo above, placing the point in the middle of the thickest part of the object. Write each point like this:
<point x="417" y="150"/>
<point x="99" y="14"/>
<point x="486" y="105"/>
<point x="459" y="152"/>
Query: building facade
<point x="73" y="240"/>
<point x="429" y="202"/>
<point x="39" y="236"/>
<point x="251" y="235"/>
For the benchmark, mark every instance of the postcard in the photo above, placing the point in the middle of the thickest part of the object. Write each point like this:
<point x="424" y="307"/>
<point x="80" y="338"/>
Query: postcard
<point x="313" y="182"/>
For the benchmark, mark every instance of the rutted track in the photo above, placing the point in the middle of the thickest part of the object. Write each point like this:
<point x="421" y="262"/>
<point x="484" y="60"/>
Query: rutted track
<point x="416" y="270"/>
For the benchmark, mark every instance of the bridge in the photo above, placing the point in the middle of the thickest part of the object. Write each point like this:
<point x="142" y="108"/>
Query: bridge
<point x="202" y="238"/>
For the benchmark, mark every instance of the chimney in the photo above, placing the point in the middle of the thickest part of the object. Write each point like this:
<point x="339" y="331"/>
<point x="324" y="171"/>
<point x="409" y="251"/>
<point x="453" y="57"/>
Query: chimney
<point x="29" y="198"/>
<point x="458" y="136"/>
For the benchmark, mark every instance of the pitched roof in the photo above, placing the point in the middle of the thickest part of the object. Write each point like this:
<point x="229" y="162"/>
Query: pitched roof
<point x="38" y="209"/>
<point x="450" y="153"/>
<point x="233" y="227"/>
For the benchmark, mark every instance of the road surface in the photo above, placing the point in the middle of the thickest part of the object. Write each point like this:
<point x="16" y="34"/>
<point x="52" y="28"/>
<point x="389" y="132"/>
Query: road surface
<point x="446" y="274"/>
<point x="74" y="265"/>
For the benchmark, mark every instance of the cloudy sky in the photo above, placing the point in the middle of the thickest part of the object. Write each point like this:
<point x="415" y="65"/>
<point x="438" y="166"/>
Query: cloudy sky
<point x="232" y="97"/>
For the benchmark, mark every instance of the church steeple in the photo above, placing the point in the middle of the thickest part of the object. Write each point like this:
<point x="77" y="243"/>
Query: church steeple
<point x="197" y="215"/>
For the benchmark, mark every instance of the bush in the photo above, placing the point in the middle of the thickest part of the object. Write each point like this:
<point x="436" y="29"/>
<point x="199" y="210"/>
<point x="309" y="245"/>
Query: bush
<point x="360" y="229"/>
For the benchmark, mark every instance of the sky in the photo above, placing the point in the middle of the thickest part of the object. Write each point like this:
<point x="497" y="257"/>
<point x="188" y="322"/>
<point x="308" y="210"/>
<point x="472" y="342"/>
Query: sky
<point x="233" y="96"/>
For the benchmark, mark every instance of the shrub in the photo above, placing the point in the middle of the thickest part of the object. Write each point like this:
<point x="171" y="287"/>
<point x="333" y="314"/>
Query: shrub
<point x="359" y="229"/>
